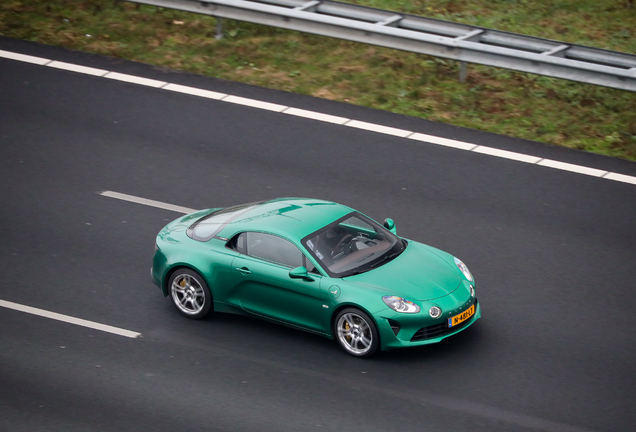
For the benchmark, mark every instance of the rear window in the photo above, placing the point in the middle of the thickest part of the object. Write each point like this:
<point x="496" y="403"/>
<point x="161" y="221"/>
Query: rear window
<point x="209" y="226"/>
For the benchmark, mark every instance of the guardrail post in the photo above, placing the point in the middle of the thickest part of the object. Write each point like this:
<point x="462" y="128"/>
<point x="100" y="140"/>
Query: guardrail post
<point x="463" y="71"/>
<point x="219" y="28"/>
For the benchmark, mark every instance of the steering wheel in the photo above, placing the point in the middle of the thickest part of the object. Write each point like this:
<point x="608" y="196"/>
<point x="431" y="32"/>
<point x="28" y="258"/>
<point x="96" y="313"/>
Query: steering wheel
<point x="366" y="241"/>
<point x="340" y="246"/>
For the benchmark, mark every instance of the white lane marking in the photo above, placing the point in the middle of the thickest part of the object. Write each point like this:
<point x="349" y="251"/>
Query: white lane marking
<point x="69" y="319"/>
<point x="507" y="154"/>
<point x="442" y="141"/>
<point x="24" y="58"/>
<point x="255" y="103"/>
<point x="77" y="68"/>
<point x="378" y="128"/>
<point x="563" y="166"/>
<point x="194" y="91"/>
<point x="620" y="177"/>
<point x="316" y="116"/>
<point x="573" y="168"/>
<point x="148" y="202"/>
<point x="135" y="79"/>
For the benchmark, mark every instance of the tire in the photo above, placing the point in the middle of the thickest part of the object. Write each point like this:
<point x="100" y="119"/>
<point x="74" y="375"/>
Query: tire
<point x="356" y="333"/>
<point x="189" y="293"/>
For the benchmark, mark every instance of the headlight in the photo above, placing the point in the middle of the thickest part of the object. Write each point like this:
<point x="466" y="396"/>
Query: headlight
<point x="400" y="304"/>
<point x="464" y="269"/>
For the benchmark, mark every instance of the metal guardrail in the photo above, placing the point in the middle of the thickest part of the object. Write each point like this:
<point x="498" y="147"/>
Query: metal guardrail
<point x="464" y="43"/>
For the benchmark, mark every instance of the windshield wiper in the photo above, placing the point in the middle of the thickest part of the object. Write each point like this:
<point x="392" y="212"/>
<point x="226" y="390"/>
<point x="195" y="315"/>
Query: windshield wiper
<point x="387" y="258"/>
<point x="356" y="272"/>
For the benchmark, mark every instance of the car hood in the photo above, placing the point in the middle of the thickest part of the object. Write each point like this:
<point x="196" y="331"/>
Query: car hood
<point x="421" y="273"/>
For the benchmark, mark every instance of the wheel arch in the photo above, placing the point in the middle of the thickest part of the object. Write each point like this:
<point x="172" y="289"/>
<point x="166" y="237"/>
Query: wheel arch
<point x="170" y="271"/>
<point x="336" y="311"/>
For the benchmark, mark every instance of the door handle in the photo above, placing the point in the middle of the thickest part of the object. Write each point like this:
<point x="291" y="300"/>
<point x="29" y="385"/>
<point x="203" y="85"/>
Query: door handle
<point x="243" y="270"/>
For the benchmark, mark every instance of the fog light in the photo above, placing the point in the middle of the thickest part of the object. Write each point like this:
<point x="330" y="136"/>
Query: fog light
<point x="435" y="312"/>
<point x="472" y="291"/>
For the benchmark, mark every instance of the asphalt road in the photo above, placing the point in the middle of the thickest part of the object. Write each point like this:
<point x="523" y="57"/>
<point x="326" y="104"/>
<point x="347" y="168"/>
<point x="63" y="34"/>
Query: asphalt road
<point x="553" y="254"/>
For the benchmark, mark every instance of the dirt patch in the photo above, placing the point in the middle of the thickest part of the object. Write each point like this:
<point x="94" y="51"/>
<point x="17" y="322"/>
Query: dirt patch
<point x="325" y="93"/>
<point x="352" y="69"/>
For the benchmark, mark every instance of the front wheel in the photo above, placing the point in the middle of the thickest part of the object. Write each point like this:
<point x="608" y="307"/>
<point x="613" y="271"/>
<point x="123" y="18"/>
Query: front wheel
<point x="190" y="294"/>
<point x="356" y="333"/>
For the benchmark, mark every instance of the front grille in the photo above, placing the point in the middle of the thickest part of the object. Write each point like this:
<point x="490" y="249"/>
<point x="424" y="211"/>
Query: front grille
<point x="441" y="329"/>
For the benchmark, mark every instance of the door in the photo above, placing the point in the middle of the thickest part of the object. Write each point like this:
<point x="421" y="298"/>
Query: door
<point x="265" y="288"/>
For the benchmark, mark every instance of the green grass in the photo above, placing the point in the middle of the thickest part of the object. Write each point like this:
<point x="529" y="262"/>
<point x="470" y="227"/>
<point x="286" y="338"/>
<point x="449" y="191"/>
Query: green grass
<point x="528" y="106"/>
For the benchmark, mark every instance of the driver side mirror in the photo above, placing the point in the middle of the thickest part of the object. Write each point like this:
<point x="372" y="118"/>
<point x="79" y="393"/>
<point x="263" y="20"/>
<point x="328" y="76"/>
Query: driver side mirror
<point x="390" y="225"/>
<point x="300" y="273"/>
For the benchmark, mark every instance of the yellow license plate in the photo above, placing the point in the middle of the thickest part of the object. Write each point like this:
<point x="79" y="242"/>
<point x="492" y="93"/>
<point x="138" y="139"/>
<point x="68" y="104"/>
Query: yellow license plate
<point x="460" y="318"/>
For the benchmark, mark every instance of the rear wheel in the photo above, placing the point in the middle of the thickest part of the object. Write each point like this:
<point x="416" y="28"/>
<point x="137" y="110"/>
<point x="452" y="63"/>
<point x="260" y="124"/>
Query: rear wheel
<point x="356" y="333"/>
<point x="190" y="294"/>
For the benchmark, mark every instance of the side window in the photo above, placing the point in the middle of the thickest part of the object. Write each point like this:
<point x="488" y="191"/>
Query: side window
<point x="272" y="248"/>
<point x="240" y="243"/>
<point x="237" y="243"/>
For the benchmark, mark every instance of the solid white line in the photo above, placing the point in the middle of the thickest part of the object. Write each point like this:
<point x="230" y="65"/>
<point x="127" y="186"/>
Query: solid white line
<point x="148" y="202"/>
<point x="621" y="178"/>
<point x="507" y="154"/>
<point x="194" y="91"/>
<point x="255" y="103"/>
<point x="378" y="128"/>
<point x="77" y="68"/>
<point x="24" y="58"/>
<point x="135" y="79"/>
<point x="316" y="116"/>
<point x="442" y="141"/>
<point x="573" y="168"/>
<point x="69" y="319"/>
<point x="323" y="117"/>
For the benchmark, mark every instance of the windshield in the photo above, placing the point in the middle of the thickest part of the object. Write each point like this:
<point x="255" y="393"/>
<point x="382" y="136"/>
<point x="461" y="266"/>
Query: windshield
<point x="353" y="244"/>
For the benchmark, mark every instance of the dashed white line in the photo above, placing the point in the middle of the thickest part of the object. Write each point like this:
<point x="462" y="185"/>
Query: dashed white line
<point x="255" y="103"/>
<point x="507" y="154"/>
<point x="24" y="58"/>
<point x="77" y="68"/>
<point x="378" y="128"/>
<point x="372" y="127"/>
<point x="573" y="168"/>
<point x="620" y="177"/>
<point x="316" y="116"/>
<point x="69" y="319"/>
<point x="194" y="91"/>
<point x="442" y="141"/>
<point x="148" y="202"/>
<point x="135" y="79"/>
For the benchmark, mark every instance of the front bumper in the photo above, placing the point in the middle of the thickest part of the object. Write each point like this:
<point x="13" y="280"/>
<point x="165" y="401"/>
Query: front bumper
<point x="155" y="279"/>
<point x="409" y="326"/>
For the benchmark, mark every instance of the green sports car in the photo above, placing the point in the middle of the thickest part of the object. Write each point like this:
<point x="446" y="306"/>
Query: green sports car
<point x="317" y="266"/>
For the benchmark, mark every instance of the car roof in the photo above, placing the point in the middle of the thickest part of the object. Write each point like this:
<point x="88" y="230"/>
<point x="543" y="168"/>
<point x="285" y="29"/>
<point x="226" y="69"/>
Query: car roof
<point x="288" y="217"/>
